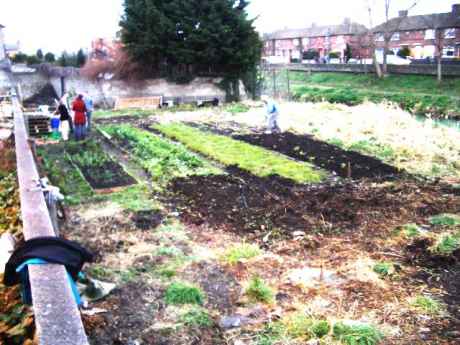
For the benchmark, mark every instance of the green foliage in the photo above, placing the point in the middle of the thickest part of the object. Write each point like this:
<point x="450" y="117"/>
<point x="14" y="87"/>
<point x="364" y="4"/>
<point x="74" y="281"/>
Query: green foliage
<point x="357" y="334"/>
<point x="181" y="293"/>
<point x="427" y="305"/>
<point x="236" y="108"/>
<point x="271" y="334"/>
<point x="411" y="230"/>
<point x="383" y="268"/>
<point x="196" y="317"/>
<point x="258" y="291"/>
<point x="162" y="159"/>
<point x="445" y="220"/>
<point x="39" y="54"/>
<point x="301" y="326"/>
<point x="310" y="54"/>
<point x="19" y="58"/>
<point x="50" y="58"/>
<point x="182" y="39"/>
<point x="241" y="251"/>
<point x="448" y="244"/>
<point x="80" y="58"/>
<point x="334" y="55"/>
<point x="228" y="151"/>
<point x="404" y="52"/>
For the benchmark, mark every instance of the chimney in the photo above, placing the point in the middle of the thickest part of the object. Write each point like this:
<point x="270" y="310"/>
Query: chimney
<point x="403" y="13"/>
<point x="456" y="11"/>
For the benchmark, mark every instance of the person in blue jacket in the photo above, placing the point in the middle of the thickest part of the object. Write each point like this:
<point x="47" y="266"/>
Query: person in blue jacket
<point x="272" y="116"/>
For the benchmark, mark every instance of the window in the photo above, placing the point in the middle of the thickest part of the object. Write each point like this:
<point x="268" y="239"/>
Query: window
<point x="449" y="33"/>
<point x="448" y="52"/>
<point x="379" y="38"/>
<point x="296" y="42"/>
<point x="305" y="41"/>
<point x="395" y="36"/>
<point x="429" y="34"/>
<point x="340" y="40"/>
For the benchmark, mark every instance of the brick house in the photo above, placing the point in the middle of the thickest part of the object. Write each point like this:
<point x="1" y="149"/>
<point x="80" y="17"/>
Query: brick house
<point x="422" y="34"/>
<point x="2" y="43"/>
<point x="290" y="44"/>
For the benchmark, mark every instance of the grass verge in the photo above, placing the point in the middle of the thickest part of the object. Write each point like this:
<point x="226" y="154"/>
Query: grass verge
<point x="256" y="160"/>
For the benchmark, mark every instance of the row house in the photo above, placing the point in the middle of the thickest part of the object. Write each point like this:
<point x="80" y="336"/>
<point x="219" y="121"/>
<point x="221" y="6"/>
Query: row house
<point x="422" y="34"/>
<point x="290" y="44"/>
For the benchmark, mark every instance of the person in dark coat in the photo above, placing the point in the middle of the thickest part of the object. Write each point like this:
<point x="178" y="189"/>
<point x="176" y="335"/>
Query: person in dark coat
<point x="66" y="120"/>
<point x="79" y="107"/>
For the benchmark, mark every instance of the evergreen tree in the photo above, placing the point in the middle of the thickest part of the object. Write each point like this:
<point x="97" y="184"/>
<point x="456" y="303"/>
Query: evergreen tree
<point x="40" y="54"/>
<point x="80" y="59"/>
<point x="191" y="37"/>
<point x="50" y="58"/>
<point x="63" y="59"/>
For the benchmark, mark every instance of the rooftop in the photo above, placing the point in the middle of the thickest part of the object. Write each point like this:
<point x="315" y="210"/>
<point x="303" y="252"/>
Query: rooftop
<point x="346" y="28"/>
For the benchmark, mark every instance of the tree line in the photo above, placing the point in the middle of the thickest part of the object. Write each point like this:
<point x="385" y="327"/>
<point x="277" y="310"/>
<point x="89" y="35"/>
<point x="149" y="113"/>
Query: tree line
<point x="66" y="59"/>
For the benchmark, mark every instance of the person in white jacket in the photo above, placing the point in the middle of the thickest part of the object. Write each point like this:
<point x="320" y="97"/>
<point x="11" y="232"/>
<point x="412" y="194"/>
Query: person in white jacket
<point x="272" y="116"/>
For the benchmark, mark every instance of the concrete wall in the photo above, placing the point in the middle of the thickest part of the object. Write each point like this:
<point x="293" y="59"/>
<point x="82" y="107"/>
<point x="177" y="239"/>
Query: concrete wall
<point x="448" y="71"/>
<point x="106" y="92"/>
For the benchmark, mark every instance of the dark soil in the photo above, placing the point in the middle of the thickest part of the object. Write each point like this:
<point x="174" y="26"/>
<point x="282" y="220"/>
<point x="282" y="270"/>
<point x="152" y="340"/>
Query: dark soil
<point x="304" y="148"/>
<point x="146" y="220"/>
<point x="109" y="175"/>
<point x="245" y="203"/>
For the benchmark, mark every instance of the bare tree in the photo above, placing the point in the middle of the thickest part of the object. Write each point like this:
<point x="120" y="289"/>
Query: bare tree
<point x="389" y="28"/>
<point x="435" y="22"/>
<point x="371" y="41"/>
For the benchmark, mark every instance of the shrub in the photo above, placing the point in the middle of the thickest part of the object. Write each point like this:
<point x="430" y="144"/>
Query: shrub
<point x="334" y="55"/>
<point x="404" y="52"/>
<point x="320" y="328"/>
<point x="259" y="291"/>
<point x="310" y="54"/>
<point x="411" y="230"/>
<point x="301" y="326"/>
<point x="357" y="334"/>
<point x="180" y="293"/>
<point x="241" y="251"/>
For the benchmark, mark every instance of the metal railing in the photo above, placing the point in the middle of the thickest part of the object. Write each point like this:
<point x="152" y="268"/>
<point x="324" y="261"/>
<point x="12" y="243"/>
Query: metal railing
<point x="57" y="317"/>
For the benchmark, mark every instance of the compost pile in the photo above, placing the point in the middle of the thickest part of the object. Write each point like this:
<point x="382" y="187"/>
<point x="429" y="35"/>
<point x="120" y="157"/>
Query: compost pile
<point x="16" y="319"/>
<point x="245" y="203"/>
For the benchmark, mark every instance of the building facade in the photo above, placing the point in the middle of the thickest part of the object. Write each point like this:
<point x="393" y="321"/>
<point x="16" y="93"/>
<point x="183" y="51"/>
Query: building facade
<point x="292" y="44"/>
<point x="2" y="43"/>
<point x="423" y="35"/>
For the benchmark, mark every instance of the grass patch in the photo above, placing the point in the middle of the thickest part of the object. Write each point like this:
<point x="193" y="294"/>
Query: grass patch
<point x="357" y="334"/>
<point x="134" y="198"/>
<point x="181" y="293"/>
<point x="258" y="291"/>
<point x="256" y="160"/>
<point x="273" y="333"/>
<point x="384" y="268"/>
<point x="162" y="159"/>
<point x="427" y="305"/>
<point x="301" y="326"/>
<point x="196" y="317"/>
<point x="241" y="251"/>
<point x="411" y="230"/>
<point x="107" y="114"/>
<point x="445" y="220"/>
<point x="236" y="108"/>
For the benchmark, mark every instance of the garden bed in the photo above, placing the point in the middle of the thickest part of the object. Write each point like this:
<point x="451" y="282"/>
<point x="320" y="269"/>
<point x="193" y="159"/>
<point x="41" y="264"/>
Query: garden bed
<point x="253" y="159"/>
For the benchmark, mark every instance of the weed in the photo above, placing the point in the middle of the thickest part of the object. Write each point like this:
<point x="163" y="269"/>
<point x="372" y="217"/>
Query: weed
<point x="196" y="317"/>
<point x="169" y="251"/>
<point x="236" y="108"/>
<point x="182" y="293"/>
<point x="384" y="268"/>
<point x="100" y="273"/>
<point x="258" y="291"/>
<point x="427" y="305"/>
<point x="166" y="272"/>
<point x="241" y="251"/>
<point x="445" y="220"/>
<point x="411" y="230"/>
<point x="301" y="326"/>
<point x="228" y="151"/>
<point x="357" y="334"/>
<point x="448" y="244"/>
<point x="271" y="334"/>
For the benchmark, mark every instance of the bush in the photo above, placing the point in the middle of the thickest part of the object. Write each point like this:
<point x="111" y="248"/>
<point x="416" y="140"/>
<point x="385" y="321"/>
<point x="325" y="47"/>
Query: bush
<point x="445" y="220"/>
<point x="404" y="52"/>
<point x="301" y="326"/>
<point x="180" y="293"/>
<point x="383" y="268"/>
<point x="427" y="305"/>
<point x="310" y="54"/>
<point x="334" y="55"/>
<point x="196" y="317"/>
<point x="448" y="244"/>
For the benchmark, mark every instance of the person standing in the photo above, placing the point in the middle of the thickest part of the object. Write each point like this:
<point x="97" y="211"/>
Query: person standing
<point x="89" y="110"/>
<point x="79" y="107"/>
<point x="65" y="120"/>
<point x="272" y="116"/>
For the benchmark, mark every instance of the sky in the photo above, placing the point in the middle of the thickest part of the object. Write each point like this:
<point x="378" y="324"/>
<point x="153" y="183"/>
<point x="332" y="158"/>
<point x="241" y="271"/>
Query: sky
<point x="57" y="25"/>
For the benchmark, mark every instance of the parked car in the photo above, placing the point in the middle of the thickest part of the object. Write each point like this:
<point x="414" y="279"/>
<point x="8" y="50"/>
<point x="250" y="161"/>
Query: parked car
<point x="334" y="61"/>
<point x="309" y="61"/>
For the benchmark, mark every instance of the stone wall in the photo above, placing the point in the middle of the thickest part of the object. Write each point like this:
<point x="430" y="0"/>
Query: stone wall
<point x="5" y="83"/>
<point x="30" y="83"/>
<point x="448" y="71"/>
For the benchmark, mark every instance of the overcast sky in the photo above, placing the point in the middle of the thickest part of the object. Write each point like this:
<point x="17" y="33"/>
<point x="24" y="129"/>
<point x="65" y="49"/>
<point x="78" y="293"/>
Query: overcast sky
<point x="57" y="25"/>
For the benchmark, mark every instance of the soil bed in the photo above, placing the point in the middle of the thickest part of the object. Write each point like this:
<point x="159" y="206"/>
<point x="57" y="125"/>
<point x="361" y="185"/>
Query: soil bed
<point x="246" y="203"/>
<point x="320" y="153"/>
